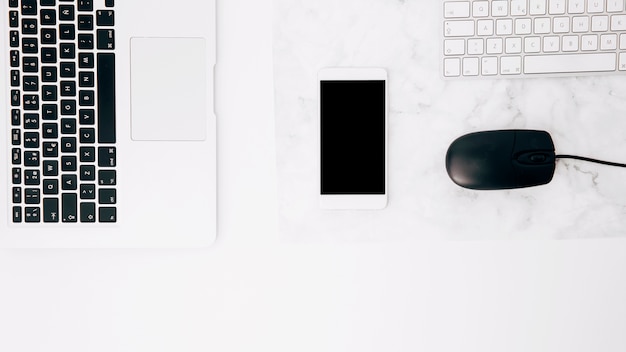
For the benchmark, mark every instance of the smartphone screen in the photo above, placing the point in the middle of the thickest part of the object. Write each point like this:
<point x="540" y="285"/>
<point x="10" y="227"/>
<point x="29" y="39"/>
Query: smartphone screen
<point x="353" y="133"/>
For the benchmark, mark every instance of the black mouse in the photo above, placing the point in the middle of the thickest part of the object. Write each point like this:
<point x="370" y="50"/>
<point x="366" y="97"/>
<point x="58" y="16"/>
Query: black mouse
<point x="502" y="159"/>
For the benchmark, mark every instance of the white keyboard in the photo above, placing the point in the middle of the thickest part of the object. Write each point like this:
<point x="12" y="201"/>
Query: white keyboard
<point x="530" y="38"/>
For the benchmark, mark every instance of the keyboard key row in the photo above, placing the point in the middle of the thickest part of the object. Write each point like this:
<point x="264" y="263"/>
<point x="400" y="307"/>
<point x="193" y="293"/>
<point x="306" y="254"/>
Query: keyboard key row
<point x="503" y="8"/>
<point x="534" y="64"/>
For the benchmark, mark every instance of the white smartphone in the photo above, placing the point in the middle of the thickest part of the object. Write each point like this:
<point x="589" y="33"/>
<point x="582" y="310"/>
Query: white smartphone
<point x="353" y="138"/>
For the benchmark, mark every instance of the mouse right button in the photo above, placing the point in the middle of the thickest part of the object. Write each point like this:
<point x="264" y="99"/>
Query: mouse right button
<point x="532" y="141"/>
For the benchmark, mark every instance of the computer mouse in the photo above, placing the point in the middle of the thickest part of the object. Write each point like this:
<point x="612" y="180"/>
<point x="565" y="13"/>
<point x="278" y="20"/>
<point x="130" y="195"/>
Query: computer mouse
<point x="503" y="159"/>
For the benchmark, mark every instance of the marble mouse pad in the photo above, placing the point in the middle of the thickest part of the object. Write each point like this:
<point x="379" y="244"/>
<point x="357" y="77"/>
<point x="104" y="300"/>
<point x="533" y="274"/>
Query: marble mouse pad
<point x="584" y="115"/>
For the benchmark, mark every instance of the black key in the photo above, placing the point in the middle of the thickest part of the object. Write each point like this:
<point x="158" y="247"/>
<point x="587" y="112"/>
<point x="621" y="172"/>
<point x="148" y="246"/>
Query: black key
<point x="69" y="207"/>
<point x="31" y="139"/>
<point x="106" y="39"/>
<point x="106" y="98"/>
<point x="16" y="139"/>
<point x="16" y="156"/>
<point x="68" y="69"/>
<point x="49" y="93"/>
<point x="107" y="214"/>
<point x="87" y="155"/>
<point x="109" y="3"/>
<point x="30" y="64"/>
<point x="15" y="58"/>
<point x="50" y="210"/>
<point x="29" y="7"/>
<point x="15" y="97"/>
<point x="106" y="157"/>
<point x="68" y="126"/>
<point x="17" y="214"/>
<point x="50" y="149"/>
<point x="87" y="173"/>
<point x="50" y="168"/>
<point x="87" y="212"/>
<point x="67" y="32"/>
<point x="105" y="18"/>
<point x="106" y="196"/>
<point x="85" y="60"/>
<point x="49" y="55"/>
<point x="48" y="17"/>
<point x="17" y="195"/>
<point x="47" y="3"/>
<point x="88" y="136"/>
<point x="66" y="12"/>
<point x="69" y="182"/>
<point x="29" y="26"/>
<point x="14" y="39"/>
<point x="15" y="78"/>
<point x="68" y="88"/>
<point x="85" y="5"/>
<point x="31" y="196"/>
<point x="14" y="3"/>
<point x="86" y="97"/>
<point x="85" y="41"/>
<point x="31" y="177"/>
<point x="86" y="116"/>
<point x="31" y="121"/>
<point x="30" y="83"/>
<point x="85" y="22"/>
<point x="31" y="158"/>
<point x="68" y="107"/>
<point x="49" y="74"/>
<point x="15" y="117"/>
<point x="50" y="131"/>
<point x="68" y="145"/>
<point x="13" y="19"/>
<point x="51" y="186"/>
<point x="68" y="163"/>
<point x="87" y="191"/>
<point x="50" y="112"/>
<point x="68" y="50"/>
<point x="85" y="79"/>
<point x="30" y="46"/>
<point x="48" y="36"/>
<point x="16" y="175"/>
<point x="32" y="214"/>
<point x="30" y="102"/>
<point x="107" y="177"/>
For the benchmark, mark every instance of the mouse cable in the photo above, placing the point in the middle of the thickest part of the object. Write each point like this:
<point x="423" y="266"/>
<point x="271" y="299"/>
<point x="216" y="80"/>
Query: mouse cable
<point x="589" y="160"/>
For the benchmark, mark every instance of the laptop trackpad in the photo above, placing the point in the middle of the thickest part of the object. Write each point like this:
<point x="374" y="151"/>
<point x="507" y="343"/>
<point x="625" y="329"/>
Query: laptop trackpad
<point x="168" y="78"/>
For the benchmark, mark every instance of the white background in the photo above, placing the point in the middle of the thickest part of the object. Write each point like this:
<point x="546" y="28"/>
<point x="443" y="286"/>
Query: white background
<point x="252" y="292"/>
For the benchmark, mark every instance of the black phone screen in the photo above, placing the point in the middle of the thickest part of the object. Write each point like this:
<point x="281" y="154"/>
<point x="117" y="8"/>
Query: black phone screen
<point x="352" y="137"/>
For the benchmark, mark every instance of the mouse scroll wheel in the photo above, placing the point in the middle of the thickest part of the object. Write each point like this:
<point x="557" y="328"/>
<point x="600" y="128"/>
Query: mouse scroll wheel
<point x="538" y="158"/>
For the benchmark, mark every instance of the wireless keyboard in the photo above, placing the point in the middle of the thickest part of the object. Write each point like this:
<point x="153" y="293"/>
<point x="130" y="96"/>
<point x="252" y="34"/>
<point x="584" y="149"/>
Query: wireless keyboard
<point x="530" y="38"/>
<point x="62" y="97"/>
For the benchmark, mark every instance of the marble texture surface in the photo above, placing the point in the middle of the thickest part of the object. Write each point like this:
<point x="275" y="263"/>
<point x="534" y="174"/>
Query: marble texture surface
<point x="585" y="116"/>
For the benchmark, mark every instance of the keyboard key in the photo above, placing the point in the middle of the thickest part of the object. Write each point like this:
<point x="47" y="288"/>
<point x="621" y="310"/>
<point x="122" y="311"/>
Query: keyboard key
<point x="29" y="26"/>
<point x="66" y="13"/>
<point x="32" y="196"/>
<point x="14" y="3"/>
<point x="107" y="214"/>
<point x="107" y="18"/>
<point x="109" y="3"/>
<point x="106" y="39"/>
<point x="50" y="149"/>
<point x="16" y="175"/>
<point x="50" y="186"/>
<point x="51" y="210"/>
<point x="29" y="7"/>
<point x="106" y="196"/>
<point x="87" y="173"/>
<point x="457" y="9"/>
<point x="87" y="212"/>
<point x="570" y="63"/>
<point x="106" y="98"/>
<point x="106" y="157"/>
<point x="87" y="191"/>
<point x="17" y="214"/>
<point x="17" y="195"/>
<point x="32" y="214"/>
<point x="458" y="28"/>
<point x="31" y="177"/>
<point x="14" y="39"/>
<point x="69" y="182"/>
<point x="85" y="5"/>
<point x="48" y="17"/>
<point x="85" y="22"/>
<point x="107" y="177"/>
<point x="87" y="155"/>
<point x="69" y="207"/>
<point x="50" y="168"/>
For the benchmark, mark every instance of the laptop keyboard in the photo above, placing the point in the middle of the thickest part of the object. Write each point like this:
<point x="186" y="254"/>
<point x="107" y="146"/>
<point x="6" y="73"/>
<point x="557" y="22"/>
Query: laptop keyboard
<point x="62" y="97"/>
<point x="529" y="38"/>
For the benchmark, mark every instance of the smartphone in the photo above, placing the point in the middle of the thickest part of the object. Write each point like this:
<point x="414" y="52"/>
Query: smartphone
<point x="353" y="138"/>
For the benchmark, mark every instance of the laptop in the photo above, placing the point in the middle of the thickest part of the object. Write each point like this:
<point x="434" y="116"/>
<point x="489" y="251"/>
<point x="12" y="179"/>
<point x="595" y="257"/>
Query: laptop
<point x="109" y="132"/>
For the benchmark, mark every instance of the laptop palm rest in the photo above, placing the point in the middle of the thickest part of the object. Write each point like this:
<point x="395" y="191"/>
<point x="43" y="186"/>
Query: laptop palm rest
<point x="168" y="89"/>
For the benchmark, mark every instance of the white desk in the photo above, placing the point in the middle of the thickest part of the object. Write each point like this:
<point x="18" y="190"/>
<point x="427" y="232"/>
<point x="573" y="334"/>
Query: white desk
<point x="253" y="292"/>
